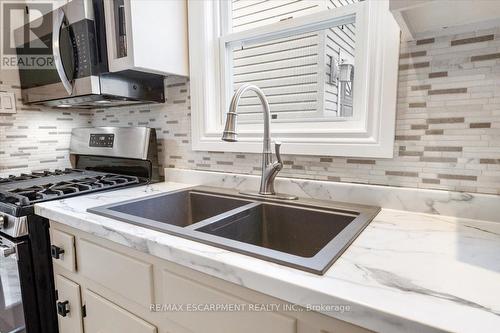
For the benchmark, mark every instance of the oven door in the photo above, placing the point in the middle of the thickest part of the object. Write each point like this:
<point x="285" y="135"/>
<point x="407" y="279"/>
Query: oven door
<point x="17" y="291"/>
<point x="57" y="54"/>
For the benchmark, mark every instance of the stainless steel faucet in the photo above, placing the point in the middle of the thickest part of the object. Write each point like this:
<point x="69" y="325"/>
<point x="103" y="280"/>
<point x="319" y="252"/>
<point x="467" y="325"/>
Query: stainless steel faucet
<point x="269" y="168"/>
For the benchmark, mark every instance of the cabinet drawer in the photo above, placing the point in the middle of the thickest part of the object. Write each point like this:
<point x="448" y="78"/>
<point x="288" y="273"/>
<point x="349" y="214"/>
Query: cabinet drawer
<point x="126" y="276"/>
<point x="63" y="249"/>
<point x="69" y="306"/>
<point x="179" y="290"/>
<point x="104" y="316"/>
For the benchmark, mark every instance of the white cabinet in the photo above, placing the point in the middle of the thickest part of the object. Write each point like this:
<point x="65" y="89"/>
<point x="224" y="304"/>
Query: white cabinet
<point x="148" y="36"/>
<point x="180" y="290"/>
<point x="69" y="306"/>
<point x="423" y="18"/>
<point x="105" y="317"/>
<point x="116" y="289"/>
<point x="63" y="249"/>
<point x="98" y="315"/>
<point x="120" y="272"/>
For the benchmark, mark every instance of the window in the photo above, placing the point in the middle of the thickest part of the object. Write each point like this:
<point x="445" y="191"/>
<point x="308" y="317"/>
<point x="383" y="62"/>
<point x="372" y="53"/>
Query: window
<point x="295" y="71"/>
<point x="328" y="68"/>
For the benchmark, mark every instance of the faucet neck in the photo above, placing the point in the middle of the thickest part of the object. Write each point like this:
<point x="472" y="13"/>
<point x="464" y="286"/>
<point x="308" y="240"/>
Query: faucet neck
<point x="266" y="141"/>
<point x="266" y="112"/>
<point x="269" y="169"/>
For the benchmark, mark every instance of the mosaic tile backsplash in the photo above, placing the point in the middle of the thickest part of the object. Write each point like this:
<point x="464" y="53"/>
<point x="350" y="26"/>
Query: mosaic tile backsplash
<point x="447" y="135"/>
<point x="35" y="138"/>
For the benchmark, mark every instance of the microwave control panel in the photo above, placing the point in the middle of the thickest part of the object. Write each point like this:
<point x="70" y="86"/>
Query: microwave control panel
<point x="83" y="42"/>
<point x="102" y="140"/>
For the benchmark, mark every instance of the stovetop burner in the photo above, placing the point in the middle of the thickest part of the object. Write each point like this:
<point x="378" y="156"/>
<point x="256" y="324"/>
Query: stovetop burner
<point x="36" y="174"/>
<point x="18" y="193"/>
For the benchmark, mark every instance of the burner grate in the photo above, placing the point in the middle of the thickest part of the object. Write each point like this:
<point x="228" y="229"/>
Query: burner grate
<point x="37" y="175"/>
<point x="13" y="198"/>
<point x="23" y="196"/>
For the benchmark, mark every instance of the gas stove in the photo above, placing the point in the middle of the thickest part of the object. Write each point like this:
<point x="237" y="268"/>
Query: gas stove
<point x="103" y="159"/>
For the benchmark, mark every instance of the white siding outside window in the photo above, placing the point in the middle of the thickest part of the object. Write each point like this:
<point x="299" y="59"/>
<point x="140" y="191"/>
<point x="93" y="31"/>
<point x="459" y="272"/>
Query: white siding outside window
<point x="294" y="72"/>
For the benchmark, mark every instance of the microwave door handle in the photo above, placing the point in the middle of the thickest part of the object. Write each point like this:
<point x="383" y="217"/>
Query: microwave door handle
<point x="56" y="51"/>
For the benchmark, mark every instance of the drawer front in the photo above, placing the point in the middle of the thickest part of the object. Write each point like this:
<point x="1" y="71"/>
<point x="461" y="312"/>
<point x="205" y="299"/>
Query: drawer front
<point x="69" y="306"/>
<point x="63" y="249"/>
<point x="104" y="316"/>
<point x="181" y="291"/>
<point x="126" y="276"/>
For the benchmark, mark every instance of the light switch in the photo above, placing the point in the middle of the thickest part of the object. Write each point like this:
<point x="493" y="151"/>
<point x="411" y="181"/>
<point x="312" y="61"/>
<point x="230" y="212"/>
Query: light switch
<point x="7" y="102"/>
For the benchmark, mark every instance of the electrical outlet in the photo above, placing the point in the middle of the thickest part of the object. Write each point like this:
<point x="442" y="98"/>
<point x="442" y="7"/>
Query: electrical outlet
<point x="7" y="102"/>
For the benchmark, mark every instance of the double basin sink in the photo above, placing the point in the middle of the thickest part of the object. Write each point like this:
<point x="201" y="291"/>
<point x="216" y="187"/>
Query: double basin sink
<point x="304" y="234"/>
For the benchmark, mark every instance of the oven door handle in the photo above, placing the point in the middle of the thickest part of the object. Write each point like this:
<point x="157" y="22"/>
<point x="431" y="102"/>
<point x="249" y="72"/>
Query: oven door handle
<point x="7" y="251"/>
<point x="58" y="20"/>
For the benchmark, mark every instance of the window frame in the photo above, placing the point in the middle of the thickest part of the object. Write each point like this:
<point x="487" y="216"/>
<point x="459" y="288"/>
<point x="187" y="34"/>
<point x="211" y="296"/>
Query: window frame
<point x="370" y="133"/>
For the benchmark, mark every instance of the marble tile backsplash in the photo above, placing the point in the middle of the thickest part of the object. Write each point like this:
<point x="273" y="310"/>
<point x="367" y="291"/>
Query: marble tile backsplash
<point x="447" y="135"/>
<point x="36" y="138"/>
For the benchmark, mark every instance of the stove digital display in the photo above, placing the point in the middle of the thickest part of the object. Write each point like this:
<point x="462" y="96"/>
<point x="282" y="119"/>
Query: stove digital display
<point x="102" y="140"/>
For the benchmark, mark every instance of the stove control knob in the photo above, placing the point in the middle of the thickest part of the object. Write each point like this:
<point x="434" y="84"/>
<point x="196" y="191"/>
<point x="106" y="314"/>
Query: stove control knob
<point x="6" y="251"/>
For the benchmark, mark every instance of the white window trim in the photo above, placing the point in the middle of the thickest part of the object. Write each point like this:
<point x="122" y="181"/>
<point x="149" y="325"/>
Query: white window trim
<point x="371" y="134"/>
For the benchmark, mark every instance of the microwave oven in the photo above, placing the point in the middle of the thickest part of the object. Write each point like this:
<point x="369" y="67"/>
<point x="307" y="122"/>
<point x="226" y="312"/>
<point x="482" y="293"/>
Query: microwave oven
<point x="73" y="40"/>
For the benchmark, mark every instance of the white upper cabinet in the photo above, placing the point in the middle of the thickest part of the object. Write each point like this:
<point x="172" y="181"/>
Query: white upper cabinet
<point x="418" y="18"/>
<point x="148" y="36"/>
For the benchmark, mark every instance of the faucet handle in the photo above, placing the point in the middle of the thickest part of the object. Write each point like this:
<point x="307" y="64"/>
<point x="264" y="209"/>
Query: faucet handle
<point x="277" y="147"/>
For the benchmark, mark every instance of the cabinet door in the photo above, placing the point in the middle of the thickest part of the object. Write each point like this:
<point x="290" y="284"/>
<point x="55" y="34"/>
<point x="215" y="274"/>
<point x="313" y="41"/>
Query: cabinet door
<point x="69" y="306"/>
<point x="128" y="27"/>
<point x="182" y="291"/>
<point x="63" y="249"/>
<point x="117" y="272"/>
<point x="105" y="317"/>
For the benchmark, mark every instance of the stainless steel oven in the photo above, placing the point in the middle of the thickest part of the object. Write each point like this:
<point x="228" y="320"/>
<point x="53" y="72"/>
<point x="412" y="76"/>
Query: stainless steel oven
<point x="15" y="286"/>
<point x="104" y="159"/>
<point x="72" y="40"/>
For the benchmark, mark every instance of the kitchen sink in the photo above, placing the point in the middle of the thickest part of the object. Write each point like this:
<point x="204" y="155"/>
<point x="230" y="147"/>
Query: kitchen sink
<point x="304" y="234"/>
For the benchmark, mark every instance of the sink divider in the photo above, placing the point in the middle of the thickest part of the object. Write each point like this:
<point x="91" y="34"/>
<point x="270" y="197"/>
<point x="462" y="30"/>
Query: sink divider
<point x="229" y="215"/>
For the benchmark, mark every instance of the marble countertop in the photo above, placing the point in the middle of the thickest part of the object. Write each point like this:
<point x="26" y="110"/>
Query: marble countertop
<point x="406" y="272"/>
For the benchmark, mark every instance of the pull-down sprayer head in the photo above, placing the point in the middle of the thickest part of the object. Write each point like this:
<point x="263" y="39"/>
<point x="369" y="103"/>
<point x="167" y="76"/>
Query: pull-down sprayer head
<point x="229" y="134"/>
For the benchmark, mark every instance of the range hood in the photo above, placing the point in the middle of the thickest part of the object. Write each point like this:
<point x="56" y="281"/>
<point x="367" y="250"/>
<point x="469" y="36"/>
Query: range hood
<point x="113" y="89"/>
